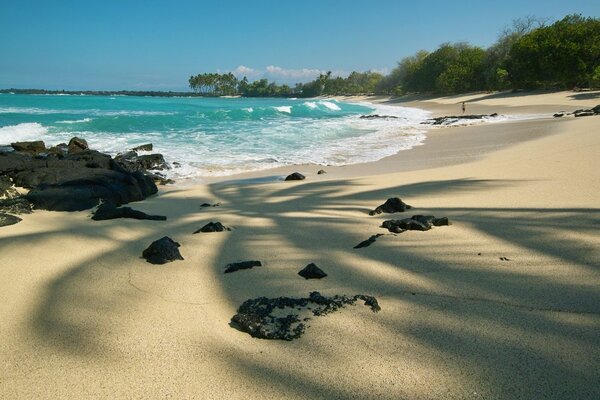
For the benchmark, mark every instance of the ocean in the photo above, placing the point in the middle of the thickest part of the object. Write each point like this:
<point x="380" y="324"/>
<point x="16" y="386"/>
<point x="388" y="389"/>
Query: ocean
<point x="216" y="136"/>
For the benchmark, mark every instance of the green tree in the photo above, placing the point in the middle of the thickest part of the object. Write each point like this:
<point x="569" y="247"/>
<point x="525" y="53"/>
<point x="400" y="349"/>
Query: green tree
<point x="564" y="54"/>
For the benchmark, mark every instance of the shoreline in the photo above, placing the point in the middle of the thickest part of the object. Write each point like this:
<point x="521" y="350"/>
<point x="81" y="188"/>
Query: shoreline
<point x="503" y="303"/>
<point x="466" y="144"/>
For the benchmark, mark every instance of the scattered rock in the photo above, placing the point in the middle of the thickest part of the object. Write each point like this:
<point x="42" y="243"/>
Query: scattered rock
<point x="34" y="147"/>
<point x="162" y="251"/>
<point x="321" y="172"/>
<point x="213" y="227"/>
<point x="368" y="242"/>
<point x="257" y="316"/>
<point x="584" y="113"/>
<point x="449" y="119"/>
<point x="311" y="271"/>
<point x="109" y="211"/>
<point x="296" y="176"/>
<point x="559" y="114"/>
<point x="210" y="205"/>
<point x="77" y="145"/>
<point x="415" y="223"/>
<point x="391" y="205"/>
<point x="143" y="147"/>
<point x="377" y="116"/>
<point x="176" y="164"/>
<point x="242" y="265"/>
<point x="7" y="219"/>
<point x="504" y="259"/>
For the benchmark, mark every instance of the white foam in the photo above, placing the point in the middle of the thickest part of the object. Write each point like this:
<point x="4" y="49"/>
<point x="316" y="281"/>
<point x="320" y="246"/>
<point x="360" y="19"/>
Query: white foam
<point x="95" y="112"/>
<point x="248" y="109"/>
<point x="22" y="132"/>
<point x="284" y="109"/>
<point x="330" y="105"/>
<point x="77" y="121"/>
<point x="310" y="104"/>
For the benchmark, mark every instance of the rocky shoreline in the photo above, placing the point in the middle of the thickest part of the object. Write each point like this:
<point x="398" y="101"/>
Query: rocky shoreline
<point x="73" y="177"/>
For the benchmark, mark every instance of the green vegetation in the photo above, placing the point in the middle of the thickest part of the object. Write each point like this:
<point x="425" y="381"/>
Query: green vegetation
<point x="528" y="55"/>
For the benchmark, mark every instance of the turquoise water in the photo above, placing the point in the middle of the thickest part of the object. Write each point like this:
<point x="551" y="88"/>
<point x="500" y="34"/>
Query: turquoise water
<point x="215" y="136"/>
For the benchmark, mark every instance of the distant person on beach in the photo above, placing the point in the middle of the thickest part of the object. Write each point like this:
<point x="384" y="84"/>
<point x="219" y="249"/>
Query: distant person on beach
<point x="463" y="107"/>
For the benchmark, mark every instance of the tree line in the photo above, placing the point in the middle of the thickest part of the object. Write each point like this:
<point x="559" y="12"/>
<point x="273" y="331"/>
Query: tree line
<point x="527" y="55"/>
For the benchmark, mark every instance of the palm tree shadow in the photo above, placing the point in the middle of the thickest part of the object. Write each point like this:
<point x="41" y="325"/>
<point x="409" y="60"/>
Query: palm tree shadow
<point x="288" y="225"/>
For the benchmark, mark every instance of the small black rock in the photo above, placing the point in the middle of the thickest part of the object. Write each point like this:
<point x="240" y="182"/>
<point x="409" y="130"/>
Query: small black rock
<point x="391" y="205"/>
<point x="311" y="271"/>
<point x="213" y="227"/>
<point x="321" y="172"/>
<point x="368" y="242"/>
<point x="162" y="251"/>
<point x="109" y="211"/>
<point x="296" y="176"/>
<point x="7" y="219"/>
<point x="242" y="265"/>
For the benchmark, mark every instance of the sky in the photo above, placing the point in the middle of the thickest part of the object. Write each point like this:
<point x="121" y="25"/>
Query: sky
<point x="157" y="45"/>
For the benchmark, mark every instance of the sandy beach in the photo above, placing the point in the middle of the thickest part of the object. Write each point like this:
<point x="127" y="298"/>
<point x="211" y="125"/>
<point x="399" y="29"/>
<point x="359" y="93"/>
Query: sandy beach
<point x="83" y="316"/>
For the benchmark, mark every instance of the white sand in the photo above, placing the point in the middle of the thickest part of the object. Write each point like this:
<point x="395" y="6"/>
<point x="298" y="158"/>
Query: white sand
<point x="82" y="316"/>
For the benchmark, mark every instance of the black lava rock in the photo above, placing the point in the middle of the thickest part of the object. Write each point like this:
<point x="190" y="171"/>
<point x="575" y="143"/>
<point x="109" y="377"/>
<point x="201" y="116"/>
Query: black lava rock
<point x="109" y="211"/>
<point x="256" y="317"/>
<point x="377" y="116"/>
<point x="7" y="219"/>
<point x="391" y="205"/>
<point x="321" y="172"/>
<point x="242" y="265"/>
<point x="77" y="145"/>
<point x="204" y="205"/>
<point x="74" y="182"/>
<point x="213" y="227"/>
<point x="16" y="205"/>
<point x="162" y="251"/>
<point x="368" y="242"/>
<point x="33" y="147"/>
<point x="296" y="176"/>
<point x="143" y="147"/>
<point x="311" y="271"/>
<point x="453" y="118"/>
<point x="415" y="223"/>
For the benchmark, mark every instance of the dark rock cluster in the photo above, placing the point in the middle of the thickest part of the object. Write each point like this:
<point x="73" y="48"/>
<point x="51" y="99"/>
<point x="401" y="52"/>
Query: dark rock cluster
<point x="414" y="223"/>
<point x="391" y="205"/>
<point x="584" y="112"/>
<point x="162" y="251"/>
<point x="109" y="211"/>
<point x="72" y="177"/>
<point x="242" y="265"/>
<point x="258" y="317"/>
<point x="449" y="119"/>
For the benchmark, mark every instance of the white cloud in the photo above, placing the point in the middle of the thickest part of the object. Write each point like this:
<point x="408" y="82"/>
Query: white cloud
<point x="242" y="71"/>
<point x="287" y="74"/>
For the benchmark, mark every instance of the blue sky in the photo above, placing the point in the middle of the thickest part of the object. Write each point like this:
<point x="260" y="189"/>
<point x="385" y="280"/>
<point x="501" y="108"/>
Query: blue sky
<point x="147" y="44"/>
